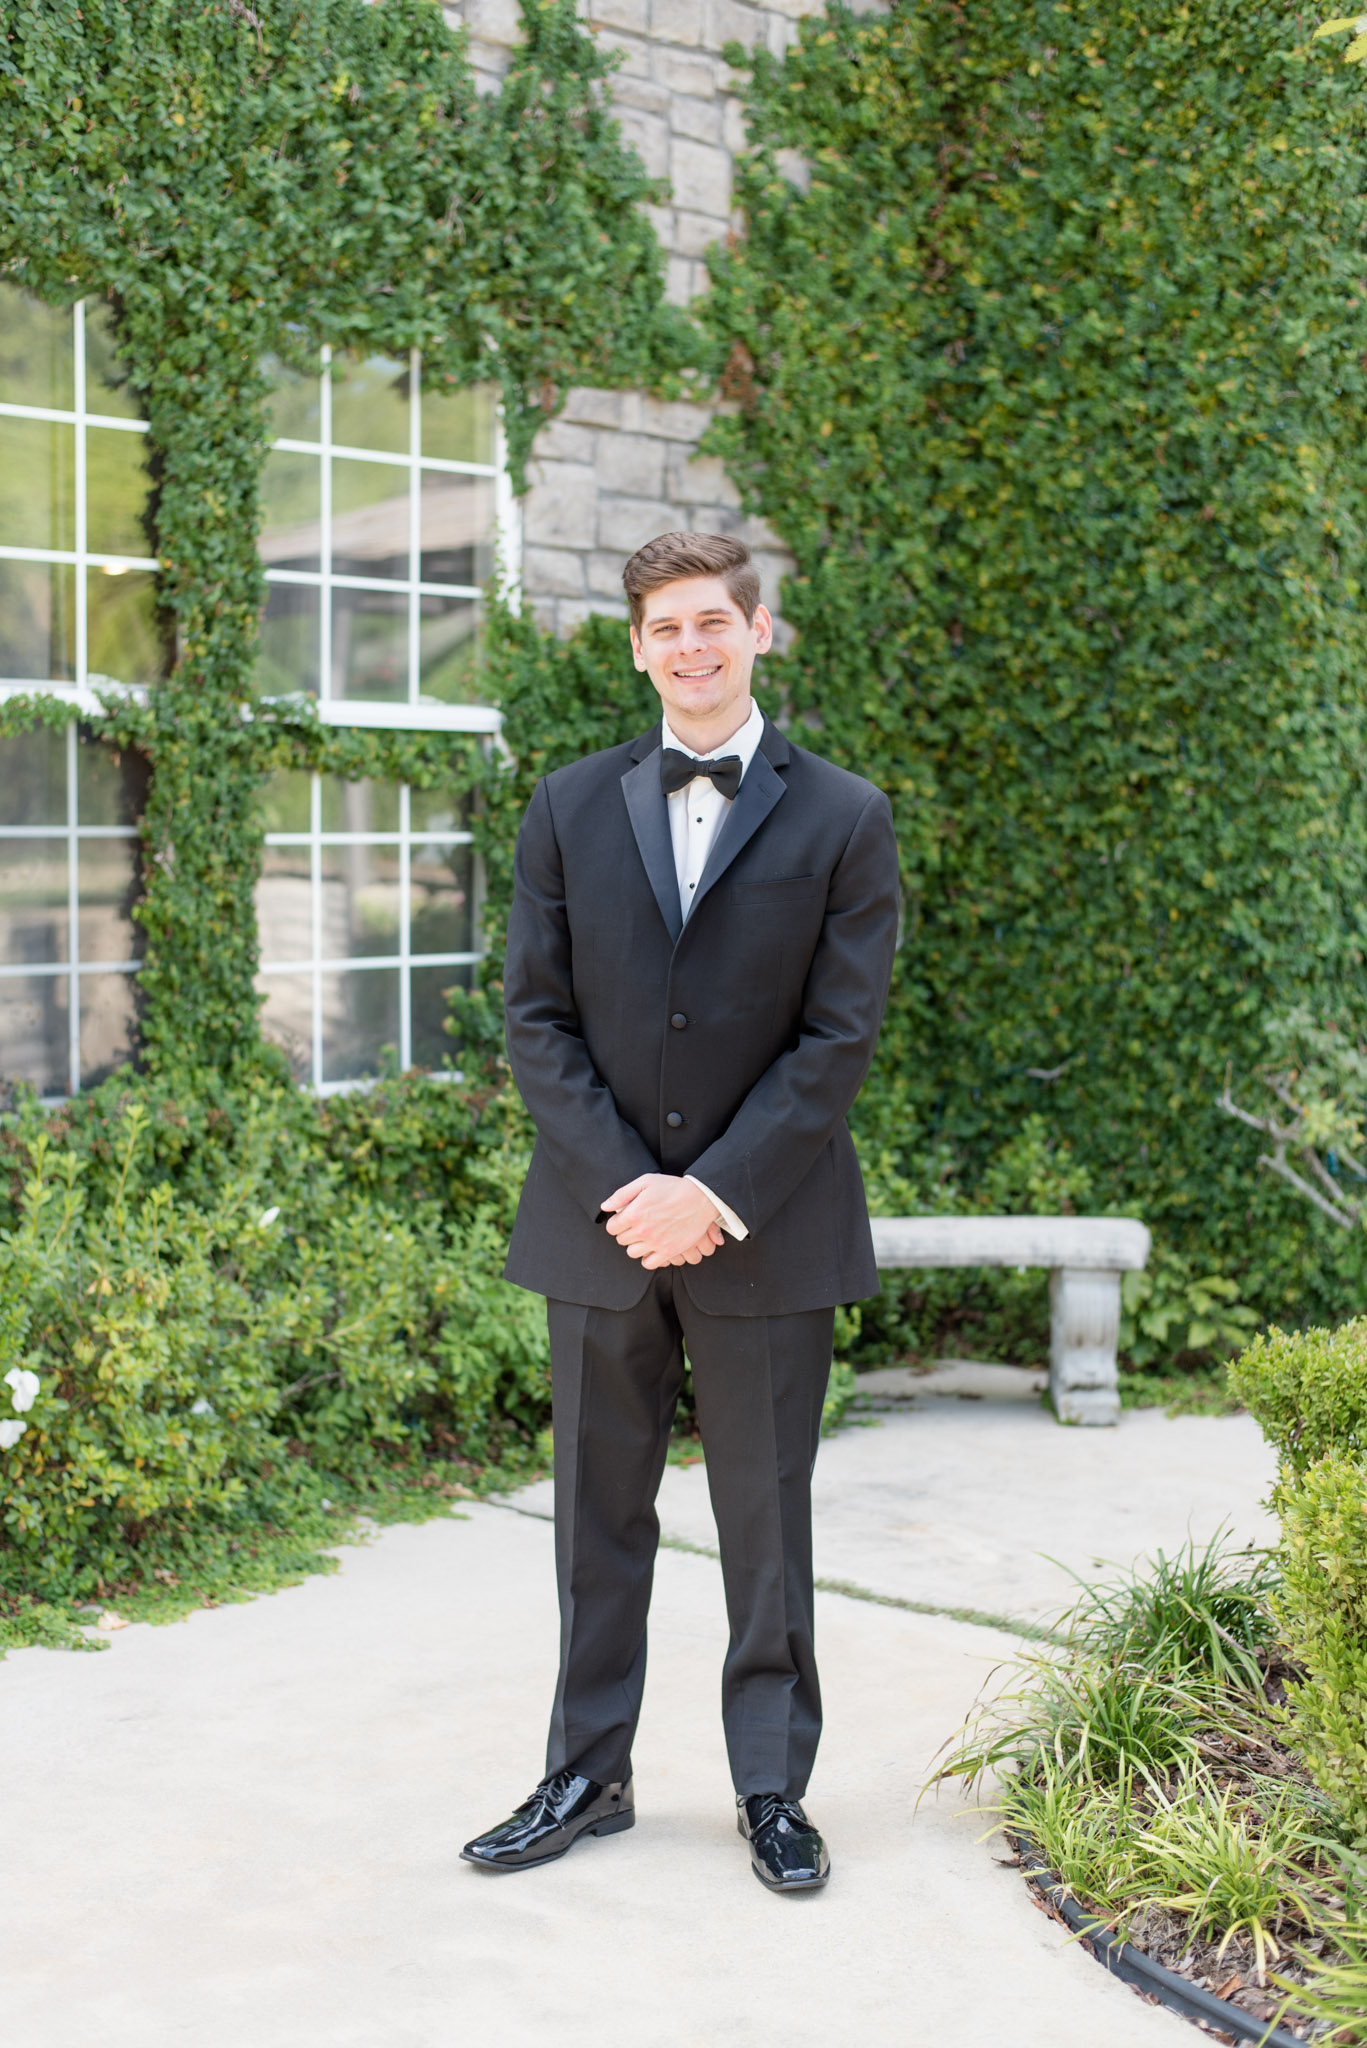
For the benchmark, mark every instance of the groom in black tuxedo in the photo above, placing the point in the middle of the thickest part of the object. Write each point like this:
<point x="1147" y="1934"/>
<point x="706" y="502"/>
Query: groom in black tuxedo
<point x="699" y="952"/>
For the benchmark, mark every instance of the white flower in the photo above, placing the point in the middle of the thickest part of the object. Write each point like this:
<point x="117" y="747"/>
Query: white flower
<point x="10" y="1433"/>
<point x="268" y="1219"/>
<point x="25" y="1385"/>
<point x="201" y="1407"/>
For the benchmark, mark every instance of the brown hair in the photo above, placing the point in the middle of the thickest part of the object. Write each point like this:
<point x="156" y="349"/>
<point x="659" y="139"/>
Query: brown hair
<point x="676" y="555"/>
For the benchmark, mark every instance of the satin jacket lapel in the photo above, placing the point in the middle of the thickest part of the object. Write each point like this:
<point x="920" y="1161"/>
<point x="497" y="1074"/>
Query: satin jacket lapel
<point x="649" y="816"/>
<point x="759" y="792"/>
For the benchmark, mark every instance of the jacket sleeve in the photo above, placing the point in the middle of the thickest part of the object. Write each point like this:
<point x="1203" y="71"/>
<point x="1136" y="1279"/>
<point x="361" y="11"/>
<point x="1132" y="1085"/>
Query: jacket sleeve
<point x="592" y="1148"/>
<point x="797" y="1105"/>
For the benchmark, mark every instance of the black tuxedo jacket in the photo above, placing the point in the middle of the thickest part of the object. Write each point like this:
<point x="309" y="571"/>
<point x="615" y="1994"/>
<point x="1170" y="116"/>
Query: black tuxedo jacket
<point x="731" y="1046"/>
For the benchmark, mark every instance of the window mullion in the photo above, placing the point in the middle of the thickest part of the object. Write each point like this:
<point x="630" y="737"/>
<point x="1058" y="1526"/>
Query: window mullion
<point x="414" y="520"/>
<point x="325" y="534"/>
<point x="405" y="931"/>
<point x="73" y="913"/>
<point x="507" y="522"/>
<point x="82" y="574"/>
<point x="316" y="920"/>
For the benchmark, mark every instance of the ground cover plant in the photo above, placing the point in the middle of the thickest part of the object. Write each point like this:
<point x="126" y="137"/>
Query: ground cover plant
<point x="1149" y="1761"/>
<point x="1191" y="1759"/>
<point x="228" y="1312"/>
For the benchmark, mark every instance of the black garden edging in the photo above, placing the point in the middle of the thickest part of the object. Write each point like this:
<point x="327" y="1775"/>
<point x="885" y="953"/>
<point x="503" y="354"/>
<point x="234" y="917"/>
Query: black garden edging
<point x="1130" y="1964"/>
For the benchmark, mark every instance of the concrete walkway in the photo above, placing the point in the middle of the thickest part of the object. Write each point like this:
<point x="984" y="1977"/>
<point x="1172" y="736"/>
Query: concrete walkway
<point x="964" y="1493"/>
<point x="241" y="1831"/>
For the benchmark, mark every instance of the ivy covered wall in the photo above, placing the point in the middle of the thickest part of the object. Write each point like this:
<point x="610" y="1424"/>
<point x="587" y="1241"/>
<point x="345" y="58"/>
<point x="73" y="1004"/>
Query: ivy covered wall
<point x="1048" y="370"/>
<point x="238" y="180"/>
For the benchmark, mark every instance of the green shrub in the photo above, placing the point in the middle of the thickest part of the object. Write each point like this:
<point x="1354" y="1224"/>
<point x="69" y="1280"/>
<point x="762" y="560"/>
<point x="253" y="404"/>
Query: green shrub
<point x="1308" y="1389"/>
<point x="1205" y="1610"/>
<point x="207" y="1311"/>
<point x="1323" y="1611"/>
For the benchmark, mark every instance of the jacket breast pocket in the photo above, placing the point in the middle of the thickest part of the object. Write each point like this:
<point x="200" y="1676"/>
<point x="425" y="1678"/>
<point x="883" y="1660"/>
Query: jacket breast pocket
<point x="778" y="893"/>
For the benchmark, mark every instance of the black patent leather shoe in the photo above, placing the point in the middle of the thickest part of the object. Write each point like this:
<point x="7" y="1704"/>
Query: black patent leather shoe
<point x="561" y="1809"/>
<point x="786" y="1852"/>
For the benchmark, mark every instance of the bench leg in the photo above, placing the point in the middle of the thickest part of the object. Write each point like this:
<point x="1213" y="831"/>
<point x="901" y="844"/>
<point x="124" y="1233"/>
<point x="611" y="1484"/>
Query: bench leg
<point x="1084" y="1313"/>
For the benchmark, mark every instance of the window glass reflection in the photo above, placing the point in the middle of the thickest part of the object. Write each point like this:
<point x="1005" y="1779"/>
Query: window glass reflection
<point x="34" y="1030"/>
<point x="109" y="1025"/>
<point x="442" y="907"/>
<point x="284" y="904"/>
<point x="370" y="403"/>
<point x="291" y="500"/>
<point x="295" y="401"/>
<point x="456" y="526"/>
<point x="37" y="484"/>
<point x="34" y="922"/>
<point x="360" y="1022"/>
<point x="286" y="800"/>
<point x="107" y="889"/>
<point x="369" y="519"/>
<point x="363" y="806"/>
<point x="450" y="650"/>
<point x="439" y="810"/>
<point x="458" y="425"/>
<point x="124" y="642"/>
<point x="432" y="1043"/>
<point x="118" y="492"/>
<point x="107" y="388"/>
<point x="37" y="352"/>
<point x="111" y="784"/>
<point x="33" y="779"/>
<point x="370" y="645"/>
<point x="361" y="901"/>
<point x="288" y="655"/>
<point x="37" y="622"/>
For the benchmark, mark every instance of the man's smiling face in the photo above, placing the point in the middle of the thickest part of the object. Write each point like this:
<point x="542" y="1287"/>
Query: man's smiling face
<point x="698" y="648"/>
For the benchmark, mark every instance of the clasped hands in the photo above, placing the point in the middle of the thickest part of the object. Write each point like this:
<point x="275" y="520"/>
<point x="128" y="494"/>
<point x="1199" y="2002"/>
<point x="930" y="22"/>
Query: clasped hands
<point x="663" y="1220"/>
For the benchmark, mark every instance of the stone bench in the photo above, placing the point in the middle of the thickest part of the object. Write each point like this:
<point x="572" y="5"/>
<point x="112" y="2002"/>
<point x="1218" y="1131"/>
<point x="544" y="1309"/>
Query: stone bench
<point x="1086" y="1256"/>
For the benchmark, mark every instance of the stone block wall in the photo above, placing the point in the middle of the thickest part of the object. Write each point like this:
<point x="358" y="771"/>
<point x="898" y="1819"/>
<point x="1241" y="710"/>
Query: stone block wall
<point x="616" y="468"/>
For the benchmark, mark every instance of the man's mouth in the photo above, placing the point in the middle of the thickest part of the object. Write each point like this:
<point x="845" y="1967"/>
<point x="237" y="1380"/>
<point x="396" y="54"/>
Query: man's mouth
<point x="696" y="675"/>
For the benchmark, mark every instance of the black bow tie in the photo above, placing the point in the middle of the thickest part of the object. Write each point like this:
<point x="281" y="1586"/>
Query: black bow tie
<point x="677" y="770"/>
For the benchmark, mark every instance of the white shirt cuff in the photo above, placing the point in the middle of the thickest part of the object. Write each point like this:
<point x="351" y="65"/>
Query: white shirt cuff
<point x="730" y="1222"/>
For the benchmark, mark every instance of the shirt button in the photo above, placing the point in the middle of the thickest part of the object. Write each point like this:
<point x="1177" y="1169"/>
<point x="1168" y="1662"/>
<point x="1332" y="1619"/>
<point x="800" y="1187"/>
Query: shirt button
<point x="678" y="1020"/>
<point x="674" y="1120"/>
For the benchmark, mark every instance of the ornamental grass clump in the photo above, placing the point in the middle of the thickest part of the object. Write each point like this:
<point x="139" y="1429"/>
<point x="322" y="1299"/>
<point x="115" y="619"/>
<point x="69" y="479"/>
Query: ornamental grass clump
<point x="1144" y="1759"/>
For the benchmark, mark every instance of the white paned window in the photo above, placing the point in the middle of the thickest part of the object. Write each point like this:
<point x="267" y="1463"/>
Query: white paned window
<point x="69" y="949"/>
<point x="384" y="504"/>
<point x="77" y="580"/>
<point x="368" y="913"/>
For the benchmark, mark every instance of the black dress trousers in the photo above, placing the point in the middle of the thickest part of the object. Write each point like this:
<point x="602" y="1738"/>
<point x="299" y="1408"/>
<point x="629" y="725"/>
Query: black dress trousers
<point x="759" y="1383"/>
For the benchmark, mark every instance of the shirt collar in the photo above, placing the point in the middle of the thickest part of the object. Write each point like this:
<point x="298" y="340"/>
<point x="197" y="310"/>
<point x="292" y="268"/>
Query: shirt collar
<point x="745" y="742"/>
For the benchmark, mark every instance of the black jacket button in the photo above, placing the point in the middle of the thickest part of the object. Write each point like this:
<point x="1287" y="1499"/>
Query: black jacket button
<point x="674" y="1120"/>
<point x="678" y="1020"/>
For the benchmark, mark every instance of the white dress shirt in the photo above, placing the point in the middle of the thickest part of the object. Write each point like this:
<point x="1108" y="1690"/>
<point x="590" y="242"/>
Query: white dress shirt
<point x="696" y="814"/>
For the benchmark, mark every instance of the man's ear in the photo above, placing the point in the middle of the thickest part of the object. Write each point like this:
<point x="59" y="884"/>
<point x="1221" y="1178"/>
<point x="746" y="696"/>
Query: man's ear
<point x="637" y="651"/>
<point x="764" y="630"/>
